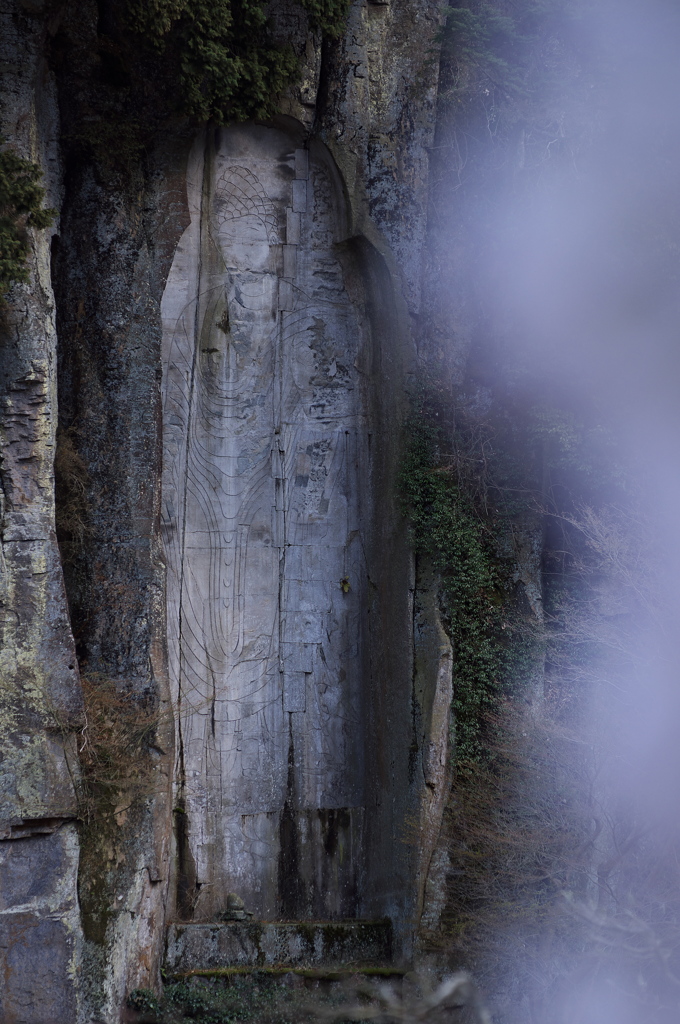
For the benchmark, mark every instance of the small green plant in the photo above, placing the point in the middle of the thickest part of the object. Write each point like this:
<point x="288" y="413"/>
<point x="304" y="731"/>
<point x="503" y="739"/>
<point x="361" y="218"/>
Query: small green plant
<point x="449" y="529"/>
<point x="226" y="67"/>
<point x="253" y="997"/>
<point x="475" y="493"/>
<point x="143" y="1000"/>
<point x="328" y="16"/>
<point x="21" y="207"/>
<point x="191" y="1000"/>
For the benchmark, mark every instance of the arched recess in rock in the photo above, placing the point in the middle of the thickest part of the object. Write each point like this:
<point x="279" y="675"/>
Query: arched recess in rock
<point x="266" y="517"/>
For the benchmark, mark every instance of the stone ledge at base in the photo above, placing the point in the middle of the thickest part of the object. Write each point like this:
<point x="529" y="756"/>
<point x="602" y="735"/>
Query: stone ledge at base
<point x="194" y="947"/>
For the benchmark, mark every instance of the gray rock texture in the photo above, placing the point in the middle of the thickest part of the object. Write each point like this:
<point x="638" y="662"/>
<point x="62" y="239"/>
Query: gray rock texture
<point x="235" y="318"/>
<point x="40" y="927"/>
<point x="40" y="703"/>
<point x="433" y="693"/>
<point x="377" y="116"/>
<point x="286" y="347"/>
<point x="113" y="249"/>
<point x="264" y="491"/>
<point x="212" y="946"/>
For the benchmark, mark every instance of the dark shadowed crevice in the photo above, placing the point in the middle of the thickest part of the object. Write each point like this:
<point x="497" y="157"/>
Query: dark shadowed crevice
<point x="187" y="886"/>
<point x="290" y="883"/>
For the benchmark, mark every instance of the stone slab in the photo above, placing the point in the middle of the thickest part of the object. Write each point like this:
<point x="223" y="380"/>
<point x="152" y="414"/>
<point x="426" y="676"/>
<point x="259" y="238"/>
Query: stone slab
<point x="39" y="928"/>
<point x="193" y="947"/>
<point x="264" y="515"/>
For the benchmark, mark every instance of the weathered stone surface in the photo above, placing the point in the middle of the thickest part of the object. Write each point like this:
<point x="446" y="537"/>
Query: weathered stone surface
<point x="206" y="946"/>
<point x="433" y="692"/>
<point x="110" y="270"/>
<point x="377" y="116"/>
<point x="40" y="702"/>
<point x="286" y="350"/>
<point x="265" y="483"/>
<point x="39" y="929"/>
<point x="278" y="393"/>
<point x="119" y="228"/>
<point x="290" y="27"/>
<point x="39" y="694"/>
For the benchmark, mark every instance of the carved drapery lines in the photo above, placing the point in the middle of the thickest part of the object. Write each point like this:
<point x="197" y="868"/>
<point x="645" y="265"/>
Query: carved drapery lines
<point x="183" y="524"/>
<point x="207" y="485"/>
<point x="260" y="399"/>
<point x="295" y="663"/>
<point x="233" y="474"/>
<point x="239" y="193"/>
<point x="180" y="354"/>
<point x="317" y="403"/>
<point x="196" y="667"/>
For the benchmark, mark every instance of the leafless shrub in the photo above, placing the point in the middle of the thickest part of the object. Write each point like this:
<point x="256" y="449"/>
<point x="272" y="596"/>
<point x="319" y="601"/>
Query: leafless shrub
<point x="519" y="832"/>
<point x="618" y="561"/>
<point x="71" y="480"/>
<point x="113" y="747"/>
<point x="418" y="1001"/>
<point x="558" y="889"/>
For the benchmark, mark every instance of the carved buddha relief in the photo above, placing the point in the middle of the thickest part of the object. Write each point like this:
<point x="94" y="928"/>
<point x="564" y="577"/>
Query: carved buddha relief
<point x="262" y="515"/>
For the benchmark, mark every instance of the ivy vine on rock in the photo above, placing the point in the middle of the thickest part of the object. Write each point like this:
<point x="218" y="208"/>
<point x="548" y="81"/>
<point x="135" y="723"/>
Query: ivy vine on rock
<point x="21" y="207"/>
<point x="449" y="529"/>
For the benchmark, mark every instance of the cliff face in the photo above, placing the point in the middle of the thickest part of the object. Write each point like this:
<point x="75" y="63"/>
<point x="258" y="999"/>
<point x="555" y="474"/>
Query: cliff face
<point x="40" y="694"/>
<point x="234" y="335"/>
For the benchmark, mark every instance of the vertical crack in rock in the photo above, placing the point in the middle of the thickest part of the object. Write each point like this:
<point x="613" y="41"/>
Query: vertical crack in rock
<point x="187" y="890"/>
<point x="290" y="883"/>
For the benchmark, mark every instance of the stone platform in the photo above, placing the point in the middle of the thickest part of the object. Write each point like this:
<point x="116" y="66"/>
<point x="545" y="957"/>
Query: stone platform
<point x="200" y="947"/>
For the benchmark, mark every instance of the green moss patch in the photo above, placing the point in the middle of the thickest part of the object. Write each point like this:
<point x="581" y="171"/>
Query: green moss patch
<point x="313" y="973"/>
<point x="449" y="528"/>
<point x="21" y="208"/>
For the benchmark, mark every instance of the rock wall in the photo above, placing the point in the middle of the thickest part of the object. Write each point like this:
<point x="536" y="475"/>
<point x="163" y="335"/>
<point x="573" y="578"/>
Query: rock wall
<point x="235" y="312"/>
<point x="40" y="703"/>
<point x="116" y="244"/>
